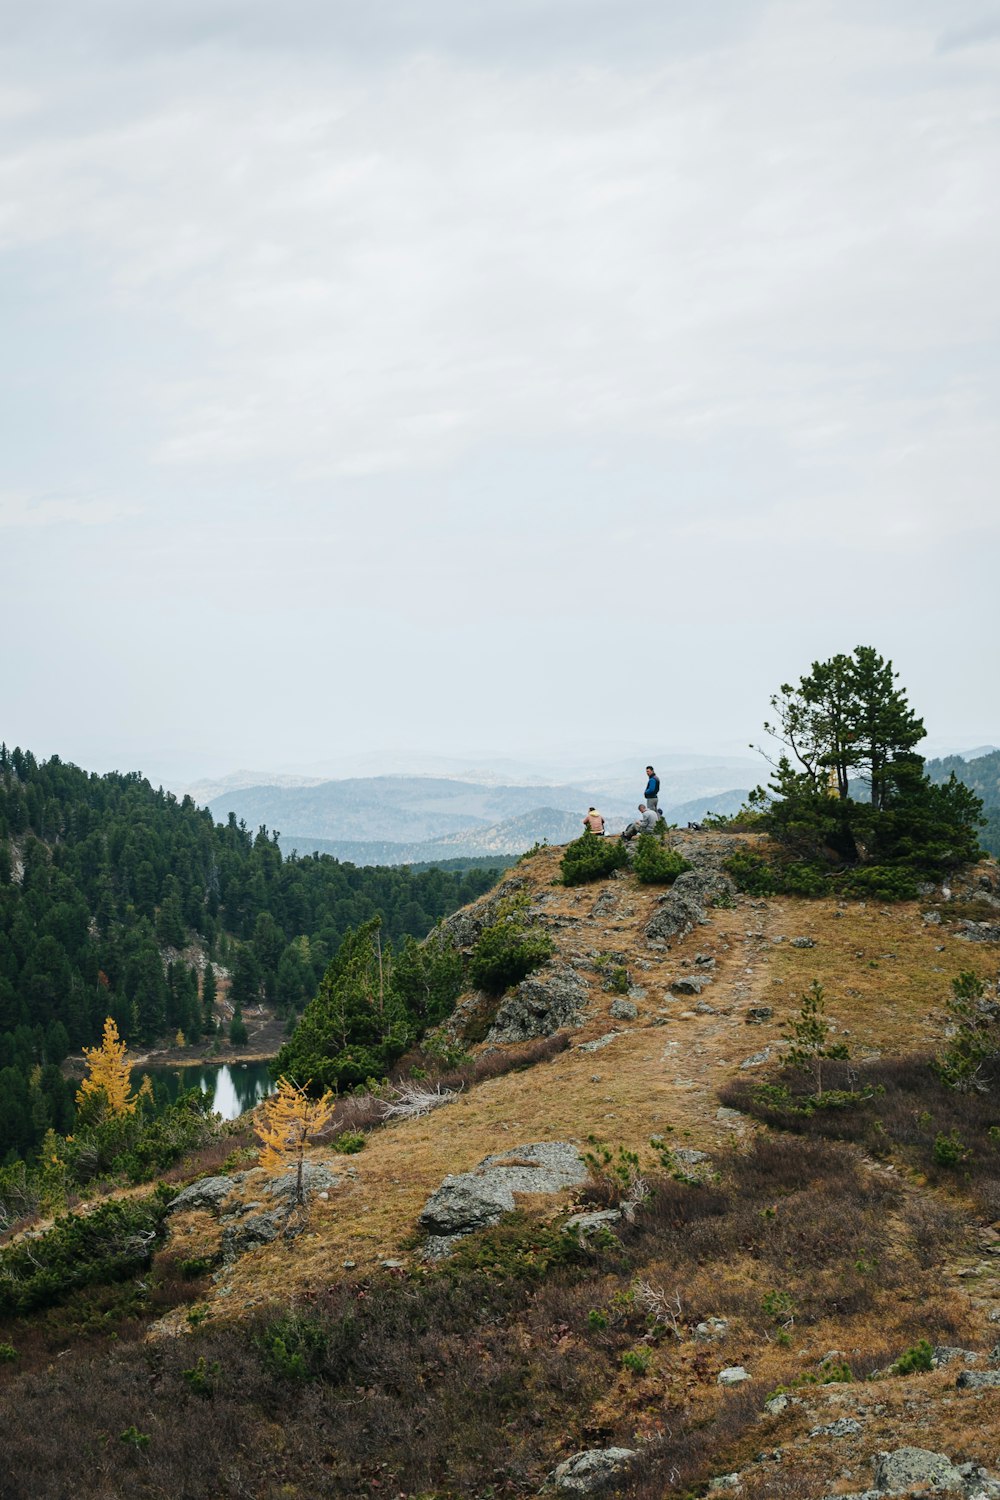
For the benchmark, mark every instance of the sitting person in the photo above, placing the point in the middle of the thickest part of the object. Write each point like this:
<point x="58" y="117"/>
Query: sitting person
<point x="645" y="823"/>
<point x="593" y="822"/>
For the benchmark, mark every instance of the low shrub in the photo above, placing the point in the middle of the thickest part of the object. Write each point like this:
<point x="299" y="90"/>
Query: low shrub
<point x="591" y="857"/>
<point x="750" y="873"/>
<point x="654" y="863"/>
<point x="920" y="1358"/>
<point x="110" y="1242"/>
<point x="507" y="952"/>
<point x="879" y="883"/>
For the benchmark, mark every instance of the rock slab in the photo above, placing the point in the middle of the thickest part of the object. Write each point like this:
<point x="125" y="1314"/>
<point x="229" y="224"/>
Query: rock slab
<point x="468" y="1201"/>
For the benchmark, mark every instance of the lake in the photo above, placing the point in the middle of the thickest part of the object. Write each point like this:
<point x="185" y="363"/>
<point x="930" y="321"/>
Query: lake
<point x="234" y="1087"/>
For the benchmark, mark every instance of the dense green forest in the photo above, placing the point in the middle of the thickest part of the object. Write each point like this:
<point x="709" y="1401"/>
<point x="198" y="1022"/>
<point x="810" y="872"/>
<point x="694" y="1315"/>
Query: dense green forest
<point x="982" y="775"/>
<point x="106" y="882"/>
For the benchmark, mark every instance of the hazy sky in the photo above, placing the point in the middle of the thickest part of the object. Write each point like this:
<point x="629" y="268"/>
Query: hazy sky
<point x="481" y="376"/>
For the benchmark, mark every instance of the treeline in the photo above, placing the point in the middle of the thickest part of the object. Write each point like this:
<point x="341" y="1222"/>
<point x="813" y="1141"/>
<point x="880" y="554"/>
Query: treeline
<point x="981" y="776"/>
<point x="105" y="882"/>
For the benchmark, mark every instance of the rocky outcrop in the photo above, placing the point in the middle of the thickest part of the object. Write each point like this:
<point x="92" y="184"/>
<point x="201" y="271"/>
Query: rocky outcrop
<point x="540" y="1005"/>
<point x="906" y="1469"/>
<point x="474" y="1200"/>
<point x="686" y="903"/>
<point x="208" y="1192"/>
<point x="464" y="928"/>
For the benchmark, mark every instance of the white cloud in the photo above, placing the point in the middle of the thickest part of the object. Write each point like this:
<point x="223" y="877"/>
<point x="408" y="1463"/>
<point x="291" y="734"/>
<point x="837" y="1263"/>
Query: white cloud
<point x="418" y="321"/>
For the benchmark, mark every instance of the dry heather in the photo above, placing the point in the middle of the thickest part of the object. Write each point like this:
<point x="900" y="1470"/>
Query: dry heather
<point x="822" y="1262"/>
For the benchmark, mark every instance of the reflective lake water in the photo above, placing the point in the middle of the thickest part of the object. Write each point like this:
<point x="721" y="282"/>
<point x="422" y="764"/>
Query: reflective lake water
<point x="234" y="1087"/>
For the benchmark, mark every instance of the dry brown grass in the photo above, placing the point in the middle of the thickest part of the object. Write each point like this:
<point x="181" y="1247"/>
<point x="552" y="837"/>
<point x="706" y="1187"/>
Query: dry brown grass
<point x="867" y="1257"/>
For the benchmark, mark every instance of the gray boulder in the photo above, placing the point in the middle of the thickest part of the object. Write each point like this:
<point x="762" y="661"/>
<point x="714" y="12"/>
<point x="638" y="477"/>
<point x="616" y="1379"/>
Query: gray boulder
<point x="979" y="932"/>
<point x="906" y="1469"/>
<point x="977" y="1379"/>
<point x="209" y="1192"/>
<point x="684" y="905"/>
<point x="464" y="928"/>
<point x="757" y="1014"/>
<point x="802" y="942"/>
<point x="599" y="1042"/>
<point x="624" y="1010"/>
<point x="733" y="1375"/>
<point x="315" y="1179"/>
<point x="591" y="1471"/>
<point x="474" y="1200"/>
<point x="258" y="1229"/>
<point x="540" y="1005"/>
<point x="843" y="1427"/>
<point x="691" y="984"/>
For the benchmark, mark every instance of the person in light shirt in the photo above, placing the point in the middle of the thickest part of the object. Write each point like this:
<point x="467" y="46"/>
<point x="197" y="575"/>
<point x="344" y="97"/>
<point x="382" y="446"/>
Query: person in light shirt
<point x="594" y="822"/>
<point x="645" y="823"/>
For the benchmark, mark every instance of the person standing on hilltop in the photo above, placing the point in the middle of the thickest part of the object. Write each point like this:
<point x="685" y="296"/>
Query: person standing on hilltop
<point x="594" y="822"/>
<point x="652" y="789"/>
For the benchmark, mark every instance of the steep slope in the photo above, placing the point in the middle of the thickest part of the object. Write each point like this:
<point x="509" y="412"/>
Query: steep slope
<point x="795" y="1261"/>
<point x="882" y="967"/>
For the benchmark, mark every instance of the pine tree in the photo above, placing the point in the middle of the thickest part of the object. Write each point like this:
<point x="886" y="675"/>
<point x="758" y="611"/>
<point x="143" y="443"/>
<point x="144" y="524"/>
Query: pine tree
<point x="287" y="1122"/>
<point x="109" y="1079"/>
<point x="356" y="1026"/>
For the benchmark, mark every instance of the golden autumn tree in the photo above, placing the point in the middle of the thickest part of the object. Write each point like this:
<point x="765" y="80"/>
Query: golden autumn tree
<point x="287" y="1122"/>
<point x="109" y="1074"/>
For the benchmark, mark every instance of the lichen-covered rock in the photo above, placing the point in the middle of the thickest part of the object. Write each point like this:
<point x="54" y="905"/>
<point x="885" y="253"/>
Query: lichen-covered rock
<point x="258" y="1229"/>
<point x="733" y="1375"/>
<point x="686" y="903"/>
<point x="315" y="1179"/>
<point x="690" y="984"/>
<point x="464" y="928"/>
<point x="599" y="1042"/>
<point x="624" y="1010"/>
<point x="979" y="932"/>
<point x="474" y="1200"/>
<point x="843" y="1427"/>
<point x="591" y="1471"/>
<point x="540" y="1005"/>
<point x="208" y="1192"/>
<point x="977" y="1379"/>
<point x="757" y="1014"/>
<point x="906" y="1469"/>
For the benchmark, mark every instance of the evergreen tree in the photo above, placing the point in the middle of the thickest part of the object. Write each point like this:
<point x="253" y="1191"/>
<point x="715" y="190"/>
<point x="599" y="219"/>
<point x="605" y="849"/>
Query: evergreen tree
<point x="356" y="1026"/>
<point x="848" y="716"/>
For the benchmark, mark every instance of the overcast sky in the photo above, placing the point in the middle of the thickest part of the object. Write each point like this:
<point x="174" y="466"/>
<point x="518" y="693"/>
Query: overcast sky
<point x="487" y="376"/>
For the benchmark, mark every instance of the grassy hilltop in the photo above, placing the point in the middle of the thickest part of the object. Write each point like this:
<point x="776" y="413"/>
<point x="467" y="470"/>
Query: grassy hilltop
<point x="812" y="1247"/>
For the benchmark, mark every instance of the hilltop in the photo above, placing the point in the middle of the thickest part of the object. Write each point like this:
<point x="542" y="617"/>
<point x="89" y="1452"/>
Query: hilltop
<point x="769" y="1248"/>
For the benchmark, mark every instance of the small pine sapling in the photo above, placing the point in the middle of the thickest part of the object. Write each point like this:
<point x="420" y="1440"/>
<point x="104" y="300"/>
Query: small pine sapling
<point x="288" y="1121"/>
<point x="974" y="1040"/>
<point x="808" y="1034"/>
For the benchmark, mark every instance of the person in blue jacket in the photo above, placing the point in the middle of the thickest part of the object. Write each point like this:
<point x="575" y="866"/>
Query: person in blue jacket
<point x="652" y="789"/>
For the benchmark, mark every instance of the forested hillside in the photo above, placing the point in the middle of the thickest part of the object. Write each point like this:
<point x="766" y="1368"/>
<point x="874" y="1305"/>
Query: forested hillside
<point x="105" y="885"/>
<point x="982" y="775"/>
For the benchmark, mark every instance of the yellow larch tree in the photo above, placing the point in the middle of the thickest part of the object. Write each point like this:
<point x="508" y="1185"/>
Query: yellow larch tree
<point x="287" y="1122"/>
<point x="109" y="1073"/>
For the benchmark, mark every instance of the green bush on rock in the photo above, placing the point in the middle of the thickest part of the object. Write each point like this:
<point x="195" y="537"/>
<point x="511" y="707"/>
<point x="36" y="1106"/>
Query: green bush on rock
<point x="654" y="863"/>
<point x="507" y="951"/>
<point x="591" y="857"/>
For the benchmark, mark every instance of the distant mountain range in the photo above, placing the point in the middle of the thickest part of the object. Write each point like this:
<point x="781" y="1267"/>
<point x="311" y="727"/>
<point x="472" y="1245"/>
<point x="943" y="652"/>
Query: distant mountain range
<point x="414" y="819"/>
